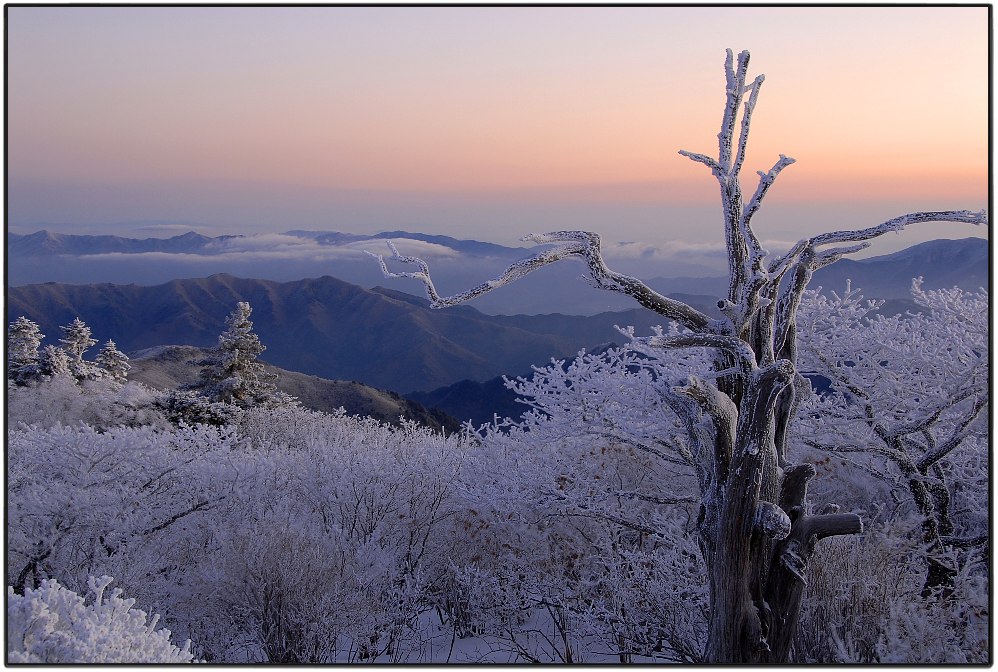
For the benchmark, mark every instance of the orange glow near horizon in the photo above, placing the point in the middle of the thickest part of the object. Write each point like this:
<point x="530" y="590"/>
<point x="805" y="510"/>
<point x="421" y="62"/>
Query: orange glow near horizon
<point x="873" y="102"/>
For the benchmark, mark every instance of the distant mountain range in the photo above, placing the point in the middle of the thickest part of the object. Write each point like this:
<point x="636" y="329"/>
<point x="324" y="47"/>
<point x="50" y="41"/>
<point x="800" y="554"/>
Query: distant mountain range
<point x="47" y="243"/>
<point x="324" y="327"/>
<point x="943" y="263"/>
<point x="169" y="366"/>
<point x="457" y="265"/>
<point x="391" y="340"/>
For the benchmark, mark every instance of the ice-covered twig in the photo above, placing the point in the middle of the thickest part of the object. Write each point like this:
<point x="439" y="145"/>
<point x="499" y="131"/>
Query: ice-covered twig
<point x="708" y="161"/>
<point x="960" y="433"/>
<point x="747" y="119"/>
<point x="735" y="89"/>
<point x="765" y="182"/>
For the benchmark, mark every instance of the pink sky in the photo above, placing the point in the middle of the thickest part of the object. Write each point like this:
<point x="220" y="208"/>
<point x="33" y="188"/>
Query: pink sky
<point x="276" y="118"/>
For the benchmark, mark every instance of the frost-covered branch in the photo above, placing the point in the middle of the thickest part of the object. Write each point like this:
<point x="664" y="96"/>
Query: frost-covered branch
<point x="736" y="347"/>
<point x="766" y="180"/>
<point x="892" y="225"/>
<point x="576" y="244"/>
<point x="746" y="256"/>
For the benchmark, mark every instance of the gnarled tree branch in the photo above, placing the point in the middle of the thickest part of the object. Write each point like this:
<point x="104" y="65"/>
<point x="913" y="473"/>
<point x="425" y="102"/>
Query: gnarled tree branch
<point x="578" y="244"/>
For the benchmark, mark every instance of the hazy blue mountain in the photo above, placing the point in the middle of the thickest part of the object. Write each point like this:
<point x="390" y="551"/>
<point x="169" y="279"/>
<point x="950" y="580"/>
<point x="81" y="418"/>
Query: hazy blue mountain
<point x="323" y="327"/>
<point x="479" y="402"/>
<point x="942" y="263"/>
<point x="46" y="243"/>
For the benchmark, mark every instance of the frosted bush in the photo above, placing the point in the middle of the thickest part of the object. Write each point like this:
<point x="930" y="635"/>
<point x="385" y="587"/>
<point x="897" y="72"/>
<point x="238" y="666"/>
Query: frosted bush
<point x="83" y="502"/>
<point x="100" y="403"/>
<point x="864" y="605"/>
<point x="52" y="624"/>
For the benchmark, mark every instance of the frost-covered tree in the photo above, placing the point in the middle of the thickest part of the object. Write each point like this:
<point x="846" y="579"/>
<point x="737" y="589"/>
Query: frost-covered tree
<point x="53" y="625"/>
<point x="113" y="362"/>
<point x="231" y="372"/>
<point x="24" y="338"/>
<point x="755" y="527"/>
<point x="908" y="404"/>
<point x="54" y="362"/>
<point x="76" y="341"/>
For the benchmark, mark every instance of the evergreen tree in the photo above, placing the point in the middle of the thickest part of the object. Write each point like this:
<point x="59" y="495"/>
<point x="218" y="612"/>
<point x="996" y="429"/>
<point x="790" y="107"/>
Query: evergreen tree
<point x="53" y="362"/>
<point x="232" y="373"/>
<point x="75" y="342"/>
<point x="24" y="339"/>
<point x="77" y="339"/>
<point x="113" y="362"/>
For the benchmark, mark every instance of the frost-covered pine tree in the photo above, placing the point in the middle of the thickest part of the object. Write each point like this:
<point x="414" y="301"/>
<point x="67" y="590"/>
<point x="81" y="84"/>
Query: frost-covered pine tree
<point x="756" y="529"/>
<point x="24" y="339"/>
<point x="231" y="372"/>
<point x="113" y="362"/>
<point x="54" y="361"/>
<point x="76" y="341"/>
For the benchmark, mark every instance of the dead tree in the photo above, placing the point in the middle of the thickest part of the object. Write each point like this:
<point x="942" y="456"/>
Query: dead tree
<point x="755" y="528"/>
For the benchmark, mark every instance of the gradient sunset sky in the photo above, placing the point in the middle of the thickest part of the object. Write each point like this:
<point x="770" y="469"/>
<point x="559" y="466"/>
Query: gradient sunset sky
<point x="487" y="123"/>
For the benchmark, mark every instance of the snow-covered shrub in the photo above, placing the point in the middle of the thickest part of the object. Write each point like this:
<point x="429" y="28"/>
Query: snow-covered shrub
<point x="101" y="403"/>
<point x="46" y="402"/>
<point x="865" y="605"/>
<point x="54" y="625"/>
<point x="329" y="544"/>
<point x="83" y="502"/>
<point x="907" y="406"/>
<point x="189" y="407"/>
<point x="571" y="531"/>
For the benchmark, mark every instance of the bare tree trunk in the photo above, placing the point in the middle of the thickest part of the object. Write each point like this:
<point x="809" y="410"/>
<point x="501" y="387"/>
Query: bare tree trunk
<point x="762" y="538"/>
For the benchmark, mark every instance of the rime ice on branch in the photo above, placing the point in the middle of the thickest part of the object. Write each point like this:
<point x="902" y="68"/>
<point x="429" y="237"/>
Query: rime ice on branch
<point x="737" y="419"/>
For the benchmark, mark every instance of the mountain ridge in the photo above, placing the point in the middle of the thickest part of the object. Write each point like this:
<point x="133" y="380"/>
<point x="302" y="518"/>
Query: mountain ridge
<point x="944" y="263"/>
<point x="392" y="340"/>
<point x="320" y="326"/>
<point x="461" y="264"/>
